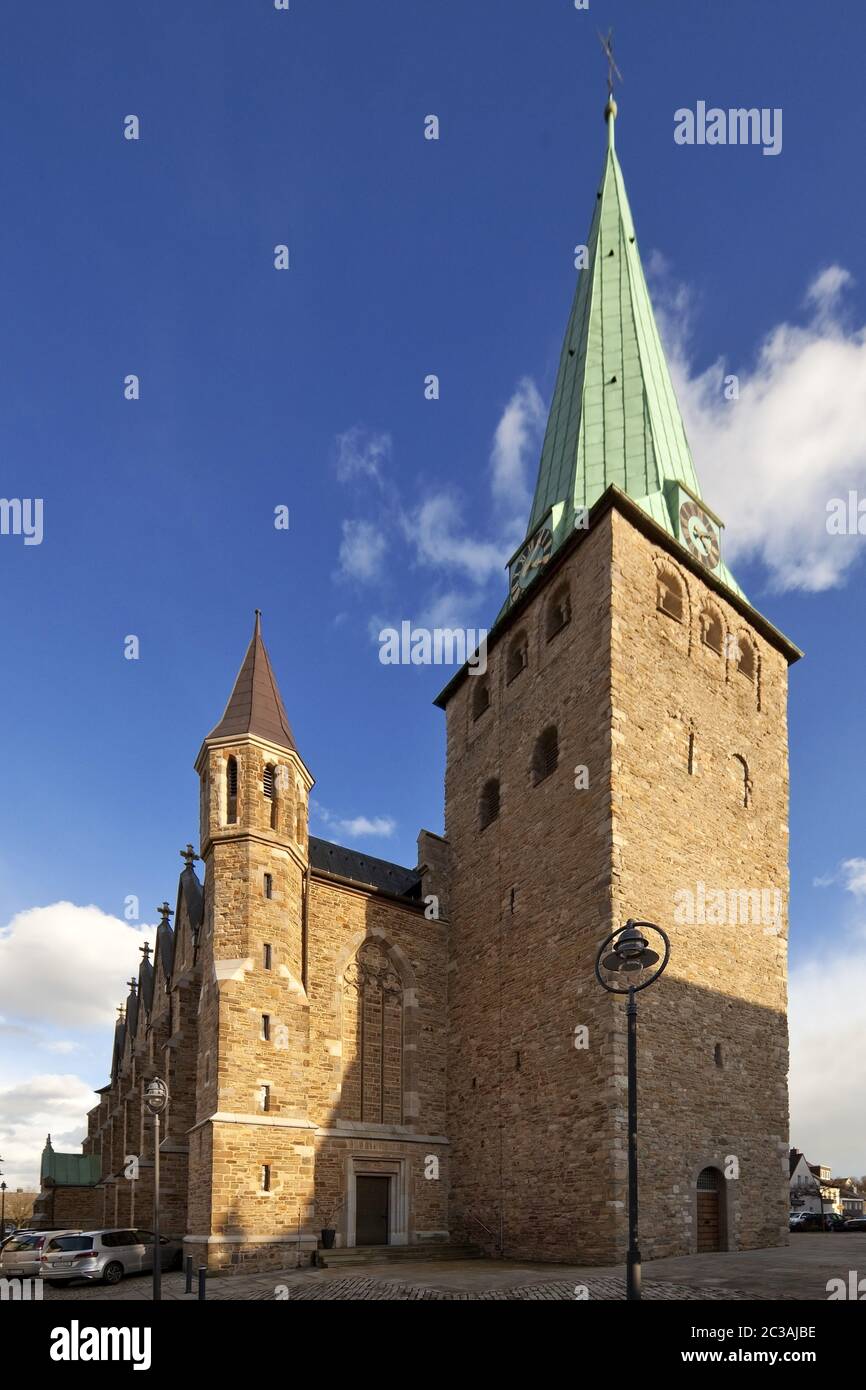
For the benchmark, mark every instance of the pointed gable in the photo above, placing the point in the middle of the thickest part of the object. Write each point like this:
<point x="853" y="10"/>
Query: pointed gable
<point x="119" y="1044"/>
<point x="255" y="705"/>
<point x="187" y="920"/>
<point x="145" y="985"/>
<point x="164" y="953"/>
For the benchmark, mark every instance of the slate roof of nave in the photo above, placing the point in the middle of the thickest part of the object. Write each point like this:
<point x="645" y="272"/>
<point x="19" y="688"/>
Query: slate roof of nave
<point x="364" y="869"/>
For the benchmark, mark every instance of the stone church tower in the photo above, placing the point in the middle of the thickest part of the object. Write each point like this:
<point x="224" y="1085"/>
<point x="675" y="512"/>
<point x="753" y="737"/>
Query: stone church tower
<point x="423" y="1056"/>
<point x="625" y="755"/>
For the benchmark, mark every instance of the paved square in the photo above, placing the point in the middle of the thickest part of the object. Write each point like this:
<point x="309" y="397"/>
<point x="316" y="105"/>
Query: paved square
<point x="799" y="1271"/>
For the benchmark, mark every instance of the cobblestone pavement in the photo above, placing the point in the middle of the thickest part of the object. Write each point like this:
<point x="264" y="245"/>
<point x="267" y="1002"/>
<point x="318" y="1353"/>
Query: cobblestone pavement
<point x="799" y="1271"/>
<point x="555" y="1291"/>
<point x="276" y="1287"/>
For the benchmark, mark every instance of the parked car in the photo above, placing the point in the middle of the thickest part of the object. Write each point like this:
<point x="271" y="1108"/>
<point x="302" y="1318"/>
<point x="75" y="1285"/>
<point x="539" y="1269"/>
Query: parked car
<point x="105" y="1255"/>
<point x="21" y="1255"/>
<point x="814" y="1221"/>
<point x="855" y="1223"/>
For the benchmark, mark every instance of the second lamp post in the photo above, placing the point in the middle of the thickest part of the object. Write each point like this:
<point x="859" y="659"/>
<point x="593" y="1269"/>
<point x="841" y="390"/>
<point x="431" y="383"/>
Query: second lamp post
<point x="626" y="955"/>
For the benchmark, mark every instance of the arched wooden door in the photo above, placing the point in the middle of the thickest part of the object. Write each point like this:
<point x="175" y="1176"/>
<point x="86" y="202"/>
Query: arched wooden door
<point x="710" y="1210"/>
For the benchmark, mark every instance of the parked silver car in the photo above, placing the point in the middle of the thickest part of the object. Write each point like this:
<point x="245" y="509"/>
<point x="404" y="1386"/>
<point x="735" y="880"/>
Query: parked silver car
<point x="105" y="1255"/>
<point x="21" y="1254"/>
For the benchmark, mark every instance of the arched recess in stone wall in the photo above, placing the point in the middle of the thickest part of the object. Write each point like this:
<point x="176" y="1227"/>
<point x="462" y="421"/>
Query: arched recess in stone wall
<point x="377" y="1010"/>
<point x="673" y="594"/>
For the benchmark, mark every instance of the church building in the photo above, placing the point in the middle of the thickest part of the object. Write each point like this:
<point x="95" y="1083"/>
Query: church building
<point x="423" y="1055"/>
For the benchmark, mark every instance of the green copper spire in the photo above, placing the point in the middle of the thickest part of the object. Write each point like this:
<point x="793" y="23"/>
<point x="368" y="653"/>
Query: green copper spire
<point x="614" y="416"/>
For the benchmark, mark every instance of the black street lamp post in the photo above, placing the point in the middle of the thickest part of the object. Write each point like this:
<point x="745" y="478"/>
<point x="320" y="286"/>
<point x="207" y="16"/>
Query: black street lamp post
<point x="156" y="1099"/>
<point x="626" y="953"/>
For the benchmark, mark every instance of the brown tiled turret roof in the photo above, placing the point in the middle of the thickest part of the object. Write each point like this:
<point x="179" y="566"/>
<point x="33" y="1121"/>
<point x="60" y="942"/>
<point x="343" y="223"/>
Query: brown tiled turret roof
<point x="254" y="705"/>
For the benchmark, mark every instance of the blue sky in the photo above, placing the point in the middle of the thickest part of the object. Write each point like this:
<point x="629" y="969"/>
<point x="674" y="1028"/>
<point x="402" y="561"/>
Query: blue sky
<point x="305" y="388"/>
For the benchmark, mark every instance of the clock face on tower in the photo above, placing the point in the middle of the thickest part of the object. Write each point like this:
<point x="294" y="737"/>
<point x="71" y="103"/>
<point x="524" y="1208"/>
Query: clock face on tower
<point x="532" y="559"/>
<point x="700" y="534"/>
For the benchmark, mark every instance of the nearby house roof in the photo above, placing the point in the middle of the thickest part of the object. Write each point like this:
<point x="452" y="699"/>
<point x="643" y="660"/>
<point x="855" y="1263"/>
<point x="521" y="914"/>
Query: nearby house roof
<point x="364" y="869"/>
<point x="815" y="1170"/>
<point x="255" y="706"/>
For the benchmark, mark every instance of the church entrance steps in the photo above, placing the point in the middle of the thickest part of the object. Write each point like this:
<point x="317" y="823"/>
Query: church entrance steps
<point x="377" y="1254"/>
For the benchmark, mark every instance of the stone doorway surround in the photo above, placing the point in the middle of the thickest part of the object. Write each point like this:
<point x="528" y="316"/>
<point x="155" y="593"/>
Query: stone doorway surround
<point x="374" y="1166"/>
<point x="727" y="1214"/>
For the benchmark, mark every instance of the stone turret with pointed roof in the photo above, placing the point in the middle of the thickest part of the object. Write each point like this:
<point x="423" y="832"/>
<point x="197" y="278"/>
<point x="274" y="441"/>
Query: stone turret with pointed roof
<point x="253" y="775"/>
<point x="255" y="706"/>
<point x="251" y="947"/>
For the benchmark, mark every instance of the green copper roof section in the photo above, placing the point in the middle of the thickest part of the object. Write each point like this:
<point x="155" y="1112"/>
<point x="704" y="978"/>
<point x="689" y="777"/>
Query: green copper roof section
<point x="614" y="417"/>
<point x="70" y="1170"/>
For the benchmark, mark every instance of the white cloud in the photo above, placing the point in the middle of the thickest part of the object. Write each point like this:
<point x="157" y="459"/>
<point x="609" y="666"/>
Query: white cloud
<point x="853" y="876"/>
<point x="827" y="1014"/>
<point x="826" y="289"/>
<point x="450" y="536"/>
<point x="361" y="826"/>
<point x="362" y="550"/>
<point x="770" y="461"/>
<point x="362" y="453"/>
<point x="446" y="536"/>
<point x="516" y="444"/>
<point x="354" y="827"/>
<point x="31" y="1109"/>
<point x="454" y="608"/>
<point x="66" y="965"/>
<point x="854" y="871"/>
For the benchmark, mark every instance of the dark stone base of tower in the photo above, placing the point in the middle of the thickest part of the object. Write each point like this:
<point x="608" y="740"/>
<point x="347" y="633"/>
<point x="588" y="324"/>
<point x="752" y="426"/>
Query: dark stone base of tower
<point x="415" y="1056"/>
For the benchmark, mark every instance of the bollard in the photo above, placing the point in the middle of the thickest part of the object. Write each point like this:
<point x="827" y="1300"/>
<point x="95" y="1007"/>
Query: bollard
<point x="202" y="1275"/>
<point x="188" y="1264"/>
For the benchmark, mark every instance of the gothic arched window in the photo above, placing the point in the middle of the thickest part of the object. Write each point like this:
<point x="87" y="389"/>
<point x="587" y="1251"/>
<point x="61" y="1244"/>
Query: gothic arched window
<point x="488" y="805"/>
<point x="480" y="697"/>
<point x="372" y="1041"/>
<point x="518" y="657"/>
<point x="746" y="659"/>
<point x="740" y="771"/>
<point x="545" y="757"/>
<point x="669" y="595"/>
<point x="269" y="782"/>
<point x="231" y="790"/>
<point x="712" y="634"/>
<point x="558" y="613"/>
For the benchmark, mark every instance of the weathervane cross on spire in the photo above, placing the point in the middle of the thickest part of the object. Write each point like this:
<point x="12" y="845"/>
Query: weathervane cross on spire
<point x="607" y="46"/>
